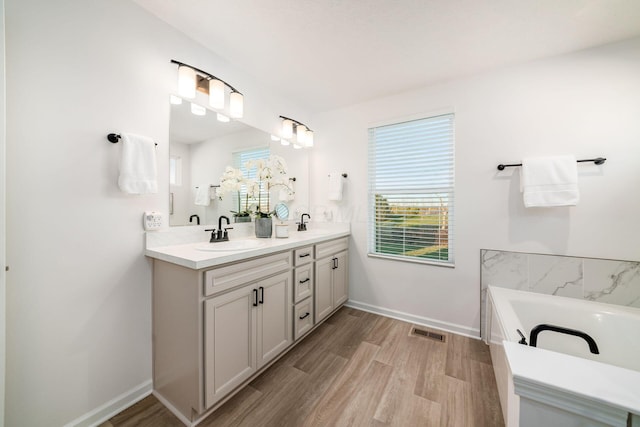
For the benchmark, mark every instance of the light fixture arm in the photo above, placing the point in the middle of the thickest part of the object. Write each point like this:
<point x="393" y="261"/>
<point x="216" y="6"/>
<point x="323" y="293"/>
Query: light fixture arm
<point x="296" y="122"/>
<point x="208" y="75"/>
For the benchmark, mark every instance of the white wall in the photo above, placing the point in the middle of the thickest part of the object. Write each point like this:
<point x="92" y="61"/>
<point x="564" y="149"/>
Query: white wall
<point x="79" y="289"/>
<point x="587" y="103"/>
<point x="2" y="216"/>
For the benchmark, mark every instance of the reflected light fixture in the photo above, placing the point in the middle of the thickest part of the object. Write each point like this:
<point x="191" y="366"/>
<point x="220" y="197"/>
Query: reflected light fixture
<point x="285" y="141"/>
<point x="192" y="79"/>
<point x="304" y="135"/>
<point x="175" y="100"/>
<point x="297" y="146"/>
<point x="198" y="110"/>
<point x="222" y="118"/>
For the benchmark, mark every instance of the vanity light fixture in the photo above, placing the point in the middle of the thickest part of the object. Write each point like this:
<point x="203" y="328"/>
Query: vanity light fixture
<point x="304" y="135"/>
<point x="191" y="79"/>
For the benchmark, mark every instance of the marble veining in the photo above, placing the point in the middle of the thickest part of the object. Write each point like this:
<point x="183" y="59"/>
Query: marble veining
<point x="601" y="280"/>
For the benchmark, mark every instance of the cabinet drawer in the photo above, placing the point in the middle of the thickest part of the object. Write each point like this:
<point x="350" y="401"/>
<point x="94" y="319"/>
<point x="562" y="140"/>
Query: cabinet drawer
<point x="303" y="320"/>
<point x="332" y="247"/>
<point x="223" y="278"/>
<point x="302" y="282"/>
<point x="303" y="256"/>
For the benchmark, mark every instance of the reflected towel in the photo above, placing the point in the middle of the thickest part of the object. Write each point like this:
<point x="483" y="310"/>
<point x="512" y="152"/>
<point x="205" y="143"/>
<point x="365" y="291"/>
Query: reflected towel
<point x="203" y="195"/>
<point x="138" y="170"/>
<point x="335" y="186"/>
<point x="550" y="181"/>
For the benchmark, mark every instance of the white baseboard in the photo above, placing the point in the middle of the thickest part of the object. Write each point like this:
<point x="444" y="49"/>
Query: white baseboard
<point x="418" y="320"/>
<point x="114" y="406"/>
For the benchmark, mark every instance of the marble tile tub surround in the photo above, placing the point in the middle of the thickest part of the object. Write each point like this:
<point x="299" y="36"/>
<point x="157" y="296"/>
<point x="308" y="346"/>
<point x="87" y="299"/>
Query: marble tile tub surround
<point x="603" y="280"/>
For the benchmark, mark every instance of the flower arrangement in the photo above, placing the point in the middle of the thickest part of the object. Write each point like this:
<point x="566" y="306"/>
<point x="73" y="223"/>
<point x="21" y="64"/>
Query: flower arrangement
<point x="269" y="173"/>
<point x="231" y="181"/>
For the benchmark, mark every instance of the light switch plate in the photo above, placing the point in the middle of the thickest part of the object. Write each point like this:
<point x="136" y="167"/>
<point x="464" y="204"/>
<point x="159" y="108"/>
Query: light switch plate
<point x="152" y="220"/>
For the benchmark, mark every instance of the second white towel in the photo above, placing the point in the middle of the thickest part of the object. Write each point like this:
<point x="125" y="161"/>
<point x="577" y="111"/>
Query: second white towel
<point x="335" y="186"/>
<point x="550" y="181"/>
<point x="203" y="195"/>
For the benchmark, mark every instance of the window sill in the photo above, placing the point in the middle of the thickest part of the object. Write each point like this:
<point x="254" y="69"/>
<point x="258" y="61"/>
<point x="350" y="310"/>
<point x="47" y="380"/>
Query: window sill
<point x="412" y="260"/>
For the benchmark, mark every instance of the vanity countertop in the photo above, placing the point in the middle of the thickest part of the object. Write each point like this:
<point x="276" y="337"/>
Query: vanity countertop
<point x="188" y="255"/>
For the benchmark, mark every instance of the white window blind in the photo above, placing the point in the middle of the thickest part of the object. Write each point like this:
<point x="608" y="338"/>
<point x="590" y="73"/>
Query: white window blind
<point x="411" y="183"/>
<point x="240" y="159"/>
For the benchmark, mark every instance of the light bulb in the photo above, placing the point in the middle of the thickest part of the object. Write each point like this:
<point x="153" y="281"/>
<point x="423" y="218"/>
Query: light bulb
<point x="216" y="94"/>
<point x="175" y="100"/>
<point x="186" y="81"/>
<point x="301" y="134"/>
<point x="198" y="110"/>
<point x="222" y="118"/>
<point x="236" y="105"/>
<point x="287" y="128"/>
<point x="309" y="138"/>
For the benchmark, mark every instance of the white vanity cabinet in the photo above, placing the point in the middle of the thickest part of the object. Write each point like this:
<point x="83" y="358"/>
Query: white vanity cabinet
<point x="331" y="276"/>
<point x="244" y="330"/>
<point x="217" y="326"/>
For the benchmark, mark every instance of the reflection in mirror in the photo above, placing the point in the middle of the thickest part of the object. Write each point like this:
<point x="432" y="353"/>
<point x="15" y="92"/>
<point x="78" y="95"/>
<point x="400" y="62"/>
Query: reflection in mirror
<point x="201" y="147"/>
<point x="282" y="211"/>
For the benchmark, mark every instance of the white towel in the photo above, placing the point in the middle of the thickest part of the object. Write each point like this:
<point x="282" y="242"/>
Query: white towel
<point x="550" y="181"/>
<point x="138" y="171"/>
<point x="335" y="186"/>
<point x="203" y="195"/>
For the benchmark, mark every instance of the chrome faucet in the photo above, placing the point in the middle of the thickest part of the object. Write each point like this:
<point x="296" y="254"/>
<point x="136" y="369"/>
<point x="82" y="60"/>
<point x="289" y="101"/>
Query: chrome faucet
<point x="301" y="225"/>
<point x="221" y="234"/>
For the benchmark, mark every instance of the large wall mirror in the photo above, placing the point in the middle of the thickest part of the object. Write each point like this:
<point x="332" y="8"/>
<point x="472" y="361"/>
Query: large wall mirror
<point x="201" y="147"/>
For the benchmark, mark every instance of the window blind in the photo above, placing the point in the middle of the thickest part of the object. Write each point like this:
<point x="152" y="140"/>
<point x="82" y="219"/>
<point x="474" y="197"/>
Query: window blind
<point x="411" y="190"/>
<point x="240" y="159"/>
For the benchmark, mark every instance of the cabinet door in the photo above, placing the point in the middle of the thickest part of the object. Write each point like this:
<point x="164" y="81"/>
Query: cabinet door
<point x="229" y="342"/>
<point x="323" y="293"/>
<point x="341" y="279"/>
<point x="274" y="314"/>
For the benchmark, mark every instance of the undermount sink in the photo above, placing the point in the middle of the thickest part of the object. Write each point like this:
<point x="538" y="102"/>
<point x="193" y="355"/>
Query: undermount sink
<point x="231" y="245"/>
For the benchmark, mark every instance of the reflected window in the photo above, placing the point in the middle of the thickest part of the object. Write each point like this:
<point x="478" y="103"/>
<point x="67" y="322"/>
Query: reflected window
<point x="175" y="170"/>
<point x="240" y="159"/>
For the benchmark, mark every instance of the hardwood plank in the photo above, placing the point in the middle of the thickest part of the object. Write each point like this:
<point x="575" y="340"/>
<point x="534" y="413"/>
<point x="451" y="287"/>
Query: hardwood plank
<point x="457" y="365"/>
<point x="232" y="412"/>
<point x="430" y="380"/>
<point x="335" y="400"/>
<point x="399" y="405"/>
<point x="456" y="409"/>
<point x="148" y="412"/>
<point x="485" y="402"/>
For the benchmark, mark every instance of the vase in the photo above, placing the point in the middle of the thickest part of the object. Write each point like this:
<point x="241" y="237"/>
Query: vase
<point x="242" y="218"/>
<point x="264" y="227"/>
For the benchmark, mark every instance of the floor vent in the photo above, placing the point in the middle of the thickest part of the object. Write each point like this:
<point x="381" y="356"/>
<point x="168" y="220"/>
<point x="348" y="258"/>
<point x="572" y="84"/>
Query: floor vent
<point x="429" y="334"/>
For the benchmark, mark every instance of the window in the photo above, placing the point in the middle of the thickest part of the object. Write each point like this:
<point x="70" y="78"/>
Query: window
<point x="240" y="158"/>
<point x="411" y="180"/>
<point x="175" y="170"/>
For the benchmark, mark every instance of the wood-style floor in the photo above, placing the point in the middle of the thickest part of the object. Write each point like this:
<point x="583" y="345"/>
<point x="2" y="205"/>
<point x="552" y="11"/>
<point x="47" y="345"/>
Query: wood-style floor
<point x="358" y="369"/>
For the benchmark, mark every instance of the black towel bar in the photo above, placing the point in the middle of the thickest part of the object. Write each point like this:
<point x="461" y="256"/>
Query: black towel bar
<point x="114" y="138"/>
<point x="597" y="161"/>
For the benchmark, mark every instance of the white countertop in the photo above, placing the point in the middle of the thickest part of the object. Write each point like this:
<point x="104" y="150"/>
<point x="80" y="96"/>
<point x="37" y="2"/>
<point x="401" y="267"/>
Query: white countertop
<point x="572" y="380"/>
<point x="187" y="254"/>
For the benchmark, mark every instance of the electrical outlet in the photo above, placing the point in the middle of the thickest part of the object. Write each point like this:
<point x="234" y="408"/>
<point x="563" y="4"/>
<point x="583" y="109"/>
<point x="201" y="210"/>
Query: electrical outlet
<point x="152" y="220"/>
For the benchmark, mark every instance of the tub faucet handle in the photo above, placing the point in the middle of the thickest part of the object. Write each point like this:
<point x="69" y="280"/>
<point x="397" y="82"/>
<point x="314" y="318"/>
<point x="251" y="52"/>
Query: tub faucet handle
<point x="523" y="340"/>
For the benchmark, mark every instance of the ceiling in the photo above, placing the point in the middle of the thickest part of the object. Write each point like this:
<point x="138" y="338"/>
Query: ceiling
<point x="325" y="54"/>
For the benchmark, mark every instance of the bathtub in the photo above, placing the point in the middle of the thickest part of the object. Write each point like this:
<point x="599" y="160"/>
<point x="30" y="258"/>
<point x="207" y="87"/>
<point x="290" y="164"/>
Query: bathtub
<point x="560" y="382"/>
